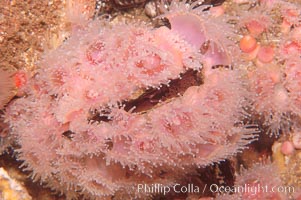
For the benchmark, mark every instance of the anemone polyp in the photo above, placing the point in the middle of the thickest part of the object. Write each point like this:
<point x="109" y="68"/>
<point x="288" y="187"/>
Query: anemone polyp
<point x="255" y="27"/>
<point x="287" y="148"/>
<point x="195" y="22"/>
<point x="200" y="27"/>
<point x="266" y="54"/>
<point x="248" y="43"/>
<point x="190" y="27"/>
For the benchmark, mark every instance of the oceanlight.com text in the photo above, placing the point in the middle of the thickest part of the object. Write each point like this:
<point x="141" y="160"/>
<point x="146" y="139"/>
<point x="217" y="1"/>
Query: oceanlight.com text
<point x="251" y="189"/>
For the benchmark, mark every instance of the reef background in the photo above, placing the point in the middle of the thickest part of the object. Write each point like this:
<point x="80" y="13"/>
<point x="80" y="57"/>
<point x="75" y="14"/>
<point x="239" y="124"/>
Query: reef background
<point x="28" y="28"/>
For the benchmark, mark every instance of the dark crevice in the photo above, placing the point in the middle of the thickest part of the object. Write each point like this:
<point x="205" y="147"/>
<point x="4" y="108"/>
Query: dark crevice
<point x="109" y="144"/>
<point x="102" y="115"/>
<point x="162" y="22"/>
<point x="150" y="97"/>
<point x="213" y="2"/>
<point x="68" y="134"/>
<point x="222" y="66"/>
<point x="153" y="96"/>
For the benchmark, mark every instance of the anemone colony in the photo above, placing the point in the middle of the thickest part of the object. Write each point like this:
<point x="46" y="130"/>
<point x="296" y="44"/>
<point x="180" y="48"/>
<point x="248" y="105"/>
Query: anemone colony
<point x="83" y="130"/>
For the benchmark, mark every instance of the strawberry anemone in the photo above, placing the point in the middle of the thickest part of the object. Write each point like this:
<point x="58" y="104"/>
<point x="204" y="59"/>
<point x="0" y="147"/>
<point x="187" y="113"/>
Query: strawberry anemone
<point x="80" y="127"/>
<point x="201" y="28"/>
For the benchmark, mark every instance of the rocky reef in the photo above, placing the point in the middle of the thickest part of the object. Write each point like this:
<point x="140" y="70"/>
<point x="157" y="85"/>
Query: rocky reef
<point x="116" y="104"/>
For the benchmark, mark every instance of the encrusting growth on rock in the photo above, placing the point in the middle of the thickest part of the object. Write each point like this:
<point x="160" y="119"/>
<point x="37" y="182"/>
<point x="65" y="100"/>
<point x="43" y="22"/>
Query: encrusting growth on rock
<point x="93" y="121"/>
<point x="92" y="73"/>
